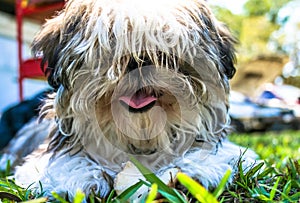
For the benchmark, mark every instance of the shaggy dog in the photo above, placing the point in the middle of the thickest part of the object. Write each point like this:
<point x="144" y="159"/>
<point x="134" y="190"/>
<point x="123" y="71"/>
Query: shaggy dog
<point x="148" y="79"/>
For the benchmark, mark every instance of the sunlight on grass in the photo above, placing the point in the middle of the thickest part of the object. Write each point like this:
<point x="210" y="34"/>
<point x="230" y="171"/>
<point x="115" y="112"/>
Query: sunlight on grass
<point x="274" y="147"/>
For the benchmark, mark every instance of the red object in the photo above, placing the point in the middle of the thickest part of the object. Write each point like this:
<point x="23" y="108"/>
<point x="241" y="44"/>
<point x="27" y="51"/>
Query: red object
<point x="31" y="68"/>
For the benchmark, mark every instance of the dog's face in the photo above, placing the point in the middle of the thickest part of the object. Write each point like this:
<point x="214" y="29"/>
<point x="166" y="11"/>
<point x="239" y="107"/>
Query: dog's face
<point x="146" y="75"/>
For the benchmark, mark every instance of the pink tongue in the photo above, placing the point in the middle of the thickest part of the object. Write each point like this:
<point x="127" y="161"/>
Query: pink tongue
<point x="137" y="101"/>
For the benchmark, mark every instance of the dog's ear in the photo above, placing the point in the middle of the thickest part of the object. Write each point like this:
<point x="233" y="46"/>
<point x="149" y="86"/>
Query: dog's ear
<point x="227" y="51"/>
<point x="46" y="43"/>
<point x="50" y="42"/>
<point x="218" y="34"/>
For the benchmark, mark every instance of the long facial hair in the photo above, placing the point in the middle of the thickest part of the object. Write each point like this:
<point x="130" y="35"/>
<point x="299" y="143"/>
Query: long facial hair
<point x="97" y="52"/>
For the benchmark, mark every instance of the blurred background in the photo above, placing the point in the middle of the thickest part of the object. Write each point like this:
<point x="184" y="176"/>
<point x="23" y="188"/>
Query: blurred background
<point x="265" y="90"/>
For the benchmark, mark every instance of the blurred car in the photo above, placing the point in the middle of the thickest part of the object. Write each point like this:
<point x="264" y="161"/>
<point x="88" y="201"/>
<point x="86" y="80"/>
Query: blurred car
<point x="247" y="115"/>
<point x="283" y="96"/>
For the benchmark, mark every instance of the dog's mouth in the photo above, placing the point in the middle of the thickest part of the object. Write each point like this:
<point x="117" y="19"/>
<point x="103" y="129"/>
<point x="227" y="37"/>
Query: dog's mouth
<point x="139" y="102"/>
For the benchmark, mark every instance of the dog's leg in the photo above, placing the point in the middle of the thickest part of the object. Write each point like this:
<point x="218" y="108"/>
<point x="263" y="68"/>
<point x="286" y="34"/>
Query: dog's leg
<point x="208" y="167"/>
<point x="66" y="175"/>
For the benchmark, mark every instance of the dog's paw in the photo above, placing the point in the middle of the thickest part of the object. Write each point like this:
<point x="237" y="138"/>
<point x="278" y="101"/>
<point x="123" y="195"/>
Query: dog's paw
<point x="131" y="175"/>
<point x="89" y="179"/>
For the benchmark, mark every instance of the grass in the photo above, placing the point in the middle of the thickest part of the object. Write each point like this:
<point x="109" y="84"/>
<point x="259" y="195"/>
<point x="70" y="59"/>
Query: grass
<point x="276" y="180"/>
<point x="279" y="181"/>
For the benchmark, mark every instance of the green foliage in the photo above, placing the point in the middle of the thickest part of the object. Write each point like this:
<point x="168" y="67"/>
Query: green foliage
<point x="233" y="22"/>
<point x="269" y="8"/>
<point x="11" y="192"/>
<point x="254" y="27"/>
<point x="255" y="35"/>
<point x="257" y="7"/>
<point x="274" y="9"/>
<point x="7" y="171"/>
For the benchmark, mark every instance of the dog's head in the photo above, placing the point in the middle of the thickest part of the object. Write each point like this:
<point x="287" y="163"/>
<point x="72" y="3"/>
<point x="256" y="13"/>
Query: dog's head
<point x="146" y="75"/>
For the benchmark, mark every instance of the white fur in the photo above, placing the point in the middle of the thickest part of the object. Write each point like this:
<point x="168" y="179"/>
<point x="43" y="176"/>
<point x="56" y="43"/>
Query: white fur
<point x="80" y="172"/>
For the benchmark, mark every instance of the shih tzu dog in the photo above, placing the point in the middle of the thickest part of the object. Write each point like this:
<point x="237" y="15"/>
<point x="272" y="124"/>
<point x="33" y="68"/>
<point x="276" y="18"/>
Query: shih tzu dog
<point x="148" y="79"/>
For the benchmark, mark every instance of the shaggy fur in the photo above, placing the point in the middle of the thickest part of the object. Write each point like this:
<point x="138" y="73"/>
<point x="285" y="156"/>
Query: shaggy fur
<point x="104" y="55"/>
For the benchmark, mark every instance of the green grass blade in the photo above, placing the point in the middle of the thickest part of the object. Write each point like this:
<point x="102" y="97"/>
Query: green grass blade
<point x="79" y="197"/>
<point x="152" y="178"/>
<point x="197" y="190"/>
<point x="92" y="197"/>
<point x="10" y="187"/>
<point x="242" y="176"/>
<point x="287" y="187"/>
<point x="294" y="168"/>
<point x="265" y="173"/>
<point x="7" y="170"/>
<point x="254" y="170"/>
<point x="274" y="188"/>
<point x="263" y="197"/>
<point x="168" y="196"/>
<point x="233" y="194"/>
<point x="124" y="196"/>
<point x="110" y="196"/>
<point x="152" y="194"/>
<point x="59" y="198"/>
<point x="295" y="197"/>
<point x="219" y="190"/>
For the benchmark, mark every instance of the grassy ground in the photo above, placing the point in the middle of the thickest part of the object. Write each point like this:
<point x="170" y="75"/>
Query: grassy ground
<point x="277" y="180"/>
<point x="280" y="179"/>
<point x="274" y="147"/>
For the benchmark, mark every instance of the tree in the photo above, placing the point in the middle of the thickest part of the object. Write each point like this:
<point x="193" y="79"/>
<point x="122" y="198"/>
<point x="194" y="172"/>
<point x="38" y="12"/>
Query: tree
<point x="254" y="27"/>
<point x="257" y="7"/>
<point x="255" y="35"/>
<point x="233" y="21"/>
